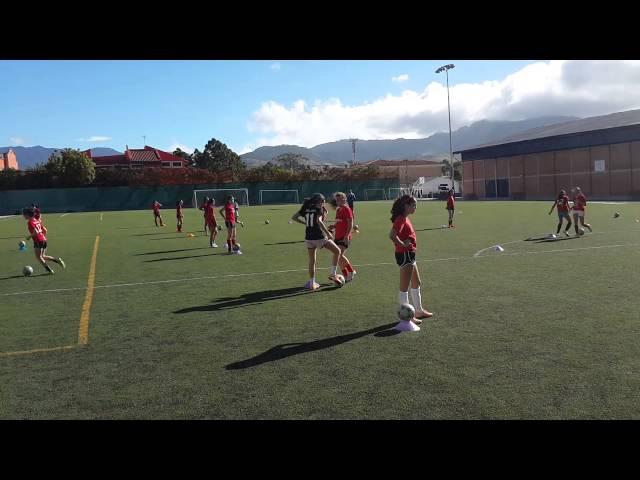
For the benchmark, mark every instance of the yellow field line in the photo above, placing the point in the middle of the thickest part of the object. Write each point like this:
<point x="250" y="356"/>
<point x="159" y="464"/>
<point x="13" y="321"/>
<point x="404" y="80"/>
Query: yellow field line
<point x="35" y="350"/>
<point x="83" y="331"/>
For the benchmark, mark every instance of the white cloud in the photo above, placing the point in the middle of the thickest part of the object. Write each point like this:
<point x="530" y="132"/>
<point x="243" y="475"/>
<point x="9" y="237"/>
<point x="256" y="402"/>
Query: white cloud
<point x="95" y="138"/>
<point x="275" y="66"/>
<point x="577" y="88"/>
<point x="17" y="141"/>
<point x="400" y="78"/>
<point x="182" y="147"/>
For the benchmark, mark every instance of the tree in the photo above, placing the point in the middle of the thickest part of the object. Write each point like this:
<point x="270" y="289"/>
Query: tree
<point x="179" y="153"/>
<point x="8" y="179"/>
<point x="218" y="158"/>
<point x="70" y="168"/>
<point x="293" y="161"/>
<point x="457" y="167"/>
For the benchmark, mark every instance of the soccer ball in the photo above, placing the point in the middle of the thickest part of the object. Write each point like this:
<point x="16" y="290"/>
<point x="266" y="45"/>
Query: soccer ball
<point x="339" y="280"/>
<point x="27" y="271"/>
<point x="616" y="215"/>
<point x="236" y="247"/>
<point x="406" y="312"/>
<point x="219" y="227"/>
<point x="22" y="244"/>
<point x="581" y="231"/>
<point x="267" y="222"/>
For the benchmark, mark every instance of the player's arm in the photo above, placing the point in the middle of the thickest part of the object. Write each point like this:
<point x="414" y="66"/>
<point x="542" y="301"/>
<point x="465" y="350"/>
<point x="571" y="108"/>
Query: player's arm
<point x="221" y="211"/>
<point x="553" y="206"/>
<point x="349" y="227"/>
<point x="296" y="217"/>
<point x="393" y="235"/>
<point x="324" y="229"/>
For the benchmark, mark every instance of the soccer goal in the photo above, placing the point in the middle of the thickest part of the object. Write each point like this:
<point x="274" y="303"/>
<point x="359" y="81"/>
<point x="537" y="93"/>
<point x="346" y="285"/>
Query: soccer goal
<point x="267" y="197"/>
<point x="395" y="192"/>
<point x="241" y="195"/>
<point x="375" y="194"/>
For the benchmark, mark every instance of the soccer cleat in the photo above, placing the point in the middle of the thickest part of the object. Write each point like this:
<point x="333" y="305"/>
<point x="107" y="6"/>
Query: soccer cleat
<point x="241" y="224"/>
<point x="62" y="264"/>
<point x="589" y="227"/>
<point x="423" y="315"/>
<point x="416" y="320"/>
<point x="311" y="285"/>
<point x="214" y="245"/>
<point x="237" y="252"/>
<point x="566" y="233"/>
<point x="350" y="276"/>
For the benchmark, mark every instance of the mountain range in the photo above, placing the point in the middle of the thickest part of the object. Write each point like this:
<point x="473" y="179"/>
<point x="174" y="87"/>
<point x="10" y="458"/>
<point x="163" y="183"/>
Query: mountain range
<point x="432" y="147"/>
<point x="31" y="156"/>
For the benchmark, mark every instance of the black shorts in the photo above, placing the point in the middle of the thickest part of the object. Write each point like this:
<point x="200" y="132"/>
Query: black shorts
<point x="342" y="243"/>
<point x="230" y="224"/>
<point x="156" y="214"/>
<point x="40" y="245"/>
<point x="405" y="258"/>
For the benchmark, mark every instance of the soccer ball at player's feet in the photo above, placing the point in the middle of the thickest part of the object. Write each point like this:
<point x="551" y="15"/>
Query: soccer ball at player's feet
<point x="219" y="227"/>
<point x="581" y="231"/>
<point x="406" y="312"/>
<point x="338" y="280"/>
<point x="27" y="271"/>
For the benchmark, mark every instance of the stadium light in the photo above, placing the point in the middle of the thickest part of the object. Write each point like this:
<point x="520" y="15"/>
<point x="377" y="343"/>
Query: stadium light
<point x="445" y="69"/>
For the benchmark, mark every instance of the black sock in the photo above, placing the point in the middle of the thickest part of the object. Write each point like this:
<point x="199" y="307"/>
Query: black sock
<point x="48" y="268"/>
<point x="559" y="227"/>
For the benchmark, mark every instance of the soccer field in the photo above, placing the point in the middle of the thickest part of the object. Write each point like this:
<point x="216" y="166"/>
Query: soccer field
<point x="177" y="330"/>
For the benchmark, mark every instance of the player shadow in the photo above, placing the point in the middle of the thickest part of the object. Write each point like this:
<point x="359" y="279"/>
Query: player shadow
<point x="559" y="239"/>
<point x="284" y="243"/>
<point x="166" y="259"/>
<point x="254" y="298"/>
<point x="24" y="276"/>
<point x="435" y="228"/>
<point x="168" y="238"/>
<point x="286" y="350"/>
<point x="154" y="233"/>
<point x="172" y="251"/>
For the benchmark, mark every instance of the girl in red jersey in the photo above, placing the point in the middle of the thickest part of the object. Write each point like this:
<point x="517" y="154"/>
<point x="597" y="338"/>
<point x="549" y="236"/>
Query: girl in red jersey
<point x="36" y="211"/>
<point x="37" y="232"/>
<point x="179" y="215"/>
<point x="404" y="238"/>
<point x="562" y="203"/>
<point x="317" y="236"/>
<point x="156" y="213"/>
<point x="210" y="222"/>
<point x="342" y="230"/>
<point x="579" y="204"/>
<point x="451" y="206"/>
<point x="228" y="212"/>
<point x="203" y="207"/>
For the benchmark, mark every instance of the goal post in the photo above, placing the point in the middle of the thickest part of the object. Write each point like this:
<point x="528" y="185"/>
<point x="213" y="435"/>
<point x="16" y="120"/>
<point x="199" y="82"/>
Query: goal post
<point x="375" y="194"/>
<point x="395" y="192"/>
<point x="266" y="197"/>
<point x="241" y="195"/>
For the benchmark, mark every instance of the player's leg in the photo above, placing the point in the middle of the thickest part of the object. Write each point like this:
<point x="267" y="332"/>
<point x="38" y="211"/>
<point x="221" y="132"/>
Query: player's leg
<point x="155" y="219"/>
<point x="236" y="247"/>
<point x="585" y="224"/>
<point x="40" y="255"/>
<point x="560" y="217"/>
<point x="576" y="222"/>
<point x="416" y="295"/>
<point x="335" y="250"/>
<point x="345" y="265"/>
<point x="229" y="237"/>
<point x="311" y="284"/>
<point x="566" y="229"/>
<point x="406" y="272"/>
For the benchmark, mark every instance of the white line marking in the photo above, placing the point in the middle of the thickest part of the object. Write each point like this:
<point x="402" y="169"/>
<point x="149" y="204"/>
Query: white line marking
<point x="250" y="274"/>
<point x="64" y="215"/>
<point x="8" y="217"/>
<point x="101" y="216"/>
<point x="477" y="254"/>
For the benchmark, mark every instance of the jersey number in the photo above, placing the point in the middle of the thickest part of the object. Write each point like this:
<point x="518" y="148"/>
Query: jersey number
<point x="310" y="217"/>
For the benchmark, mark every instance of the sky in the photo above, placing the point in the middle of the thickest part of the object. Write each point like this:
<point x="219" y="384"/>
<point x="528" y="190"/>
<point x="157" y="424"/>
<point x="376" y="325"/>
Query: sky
<point x="248" y="104"/>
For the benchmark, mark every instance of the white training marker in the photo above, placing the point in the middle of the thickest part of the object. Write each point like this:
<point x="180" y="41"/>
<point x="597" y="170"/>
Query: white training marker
<point x="406" y="326"/>
<point x="498" y="248"/>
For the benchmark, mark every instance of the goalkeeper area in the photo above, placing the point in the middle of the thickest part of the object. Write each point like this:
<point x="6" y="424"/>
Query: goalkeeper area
<point x="241" y="195"/>
<point x="273" y="197"/>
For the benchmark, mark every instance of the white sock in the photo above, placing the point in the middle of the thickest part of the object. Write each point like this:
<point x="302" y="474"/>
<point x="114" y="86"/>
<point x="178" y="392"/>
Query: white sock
<point x="404" y="297"/>
<point x="334" y="268"/>
<point x="417" y="299"/>
<point x="313" y="280"/>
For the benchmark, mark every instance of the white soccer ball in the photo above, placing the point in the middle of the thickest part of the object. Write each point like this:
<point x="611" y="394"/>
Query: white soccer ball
<point x="22" y="244"/>
<point x="581" y="231"/>
<point x="27" y="271"/>
<point x="406" y="312"/>
<point x="339" y="280"/>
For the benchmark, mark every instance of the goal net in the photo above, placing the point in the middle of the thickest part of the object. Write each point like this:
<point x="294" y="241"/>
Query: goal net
<point x="220" y="195"/>
<point x="395" y="192"/>
<point x="375" y="194"/>
<point x="278" y="196"/>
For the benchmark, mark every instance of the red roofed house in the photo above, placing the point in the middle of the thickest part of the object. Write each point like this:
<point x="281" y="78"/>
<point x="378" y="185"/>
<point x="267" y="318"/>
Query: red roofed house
<point x="147" y="157"/>
<point x="8" y="160"/>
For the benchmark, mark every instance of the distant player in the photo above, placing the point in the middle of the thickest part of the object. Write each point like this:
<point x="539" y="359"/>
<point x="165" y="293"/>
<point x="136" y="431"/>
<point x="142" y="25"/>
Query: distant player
<point x="562" y="204"/>
<point x="404" y="238"/>
<point x="351" y="200"/>
<point x="38" y="232"/>
<point x="237" y="209"/>
<point x="203" y="207"/>
<point x="342" y="230"/>
<point x="451" y="206"/>
<point x="156" y="213"/>
<point x="228" y="212"/>
<point x="316" y="236"/>
<point x="179" y="214"/>
<point x="210" y="222"/>
<point x="579" y="204"/>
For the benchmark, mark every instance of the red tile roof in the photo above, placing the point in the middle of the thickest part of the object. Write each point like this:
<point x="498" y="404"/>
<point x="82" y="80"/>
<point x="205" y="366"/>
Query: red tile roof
<point x="147" y="155"/>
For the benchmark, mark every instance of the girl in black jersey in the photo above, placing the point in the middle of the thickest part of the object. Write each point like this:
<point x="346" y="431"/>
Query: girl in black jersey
<point x="312" y="215"/>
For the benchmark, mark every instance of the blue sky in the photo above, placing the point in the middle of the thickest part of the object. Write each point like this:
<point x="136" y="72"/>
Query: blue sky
<point x="246" y="104"/>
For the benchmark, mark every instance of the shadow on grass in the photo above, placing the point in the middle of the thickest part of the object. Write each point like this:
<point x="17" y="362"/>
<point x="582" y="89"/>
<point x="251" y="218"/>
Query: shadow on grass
<point x="254" y="298"/>
<point x="154" y="233"/>
<point x="435" y="228"/>
<point x="285" y="243"/>
<point x="24" y="276"/>
<point x="559" y="239"/>
<point x="166" y="259"/>
<point x="170" y="238"/>
<point x="286" y="350"/>
<point x="173" y="251"/>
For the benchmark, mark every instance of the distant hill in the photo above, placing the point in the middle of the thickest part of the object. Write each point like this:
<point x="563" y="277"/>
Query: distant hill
<point x="339" y="153"/>
<point x="30" y="156"/>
